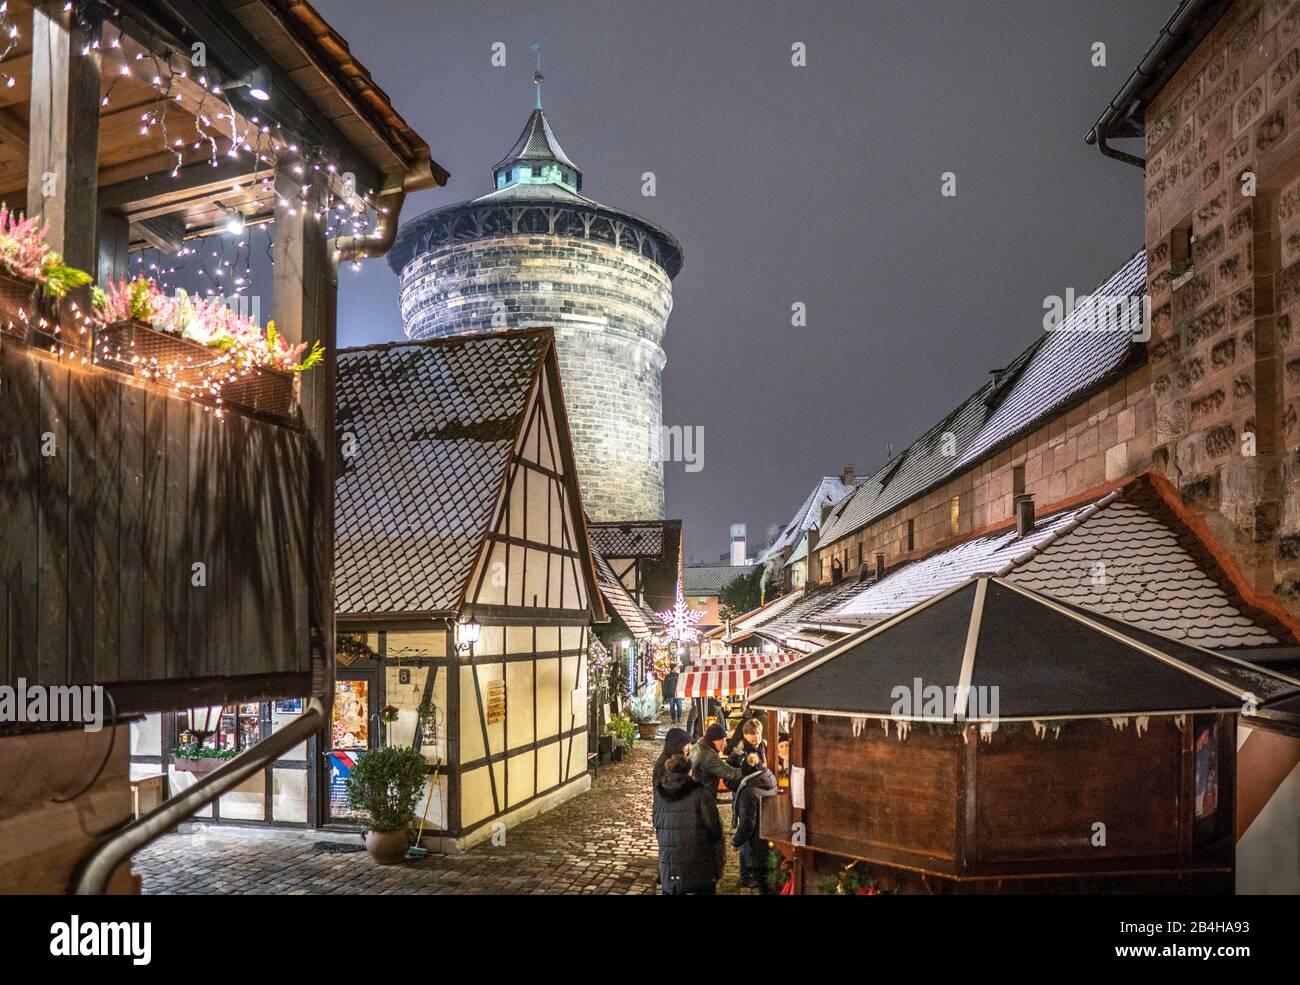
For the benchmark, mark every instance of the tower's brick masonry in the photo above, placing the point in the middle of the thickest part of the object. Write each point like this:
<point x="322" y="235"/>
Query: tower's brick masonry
<point x="609" y="308"/>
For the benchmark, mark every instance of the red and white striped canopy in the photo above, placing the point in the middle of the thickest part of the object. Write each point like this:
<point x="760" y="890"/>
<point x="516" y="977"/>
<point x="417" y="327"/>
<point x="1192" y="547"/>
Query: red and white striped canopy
<point x="732" y="661"/>
<point x="716" y="682"/>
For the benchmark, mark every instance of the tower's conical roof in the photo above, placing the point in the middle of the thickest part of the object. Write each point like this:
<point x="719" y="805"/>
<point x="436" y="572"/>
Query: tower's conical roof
<point x="535" y="147"/>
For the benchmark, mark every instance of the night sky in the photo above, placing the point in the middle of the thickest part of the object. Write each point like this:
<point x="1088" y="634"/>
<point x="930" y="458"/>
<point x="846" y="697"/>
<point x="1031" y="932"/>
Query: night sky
<point x="818" y="185"/>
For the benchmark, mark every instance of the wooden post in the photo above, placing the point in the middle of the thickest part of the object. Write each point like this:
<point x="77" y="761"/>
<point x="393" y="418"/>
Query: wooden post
<point x="63" y="151"/>
<point x="304" y="304"/>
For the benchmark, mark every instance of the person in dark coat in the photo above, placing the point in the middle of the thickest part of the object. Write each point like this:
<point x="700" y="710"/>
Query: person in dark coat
<point x="747" y="738"/>
<point x="707" y="766"/>
<point x="676" y="741"/>
<point x="671" y="699"/>
<point x="691" y="846"/>
<point x="757" y="783"/>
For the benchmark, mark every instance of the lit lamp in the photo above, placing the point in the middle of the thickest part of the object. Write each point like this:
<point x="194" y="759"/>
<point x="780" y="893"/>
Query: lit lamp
<point x="234" y="222"/>
<point x="469" y="632"/>
<point x="257" y="82"/>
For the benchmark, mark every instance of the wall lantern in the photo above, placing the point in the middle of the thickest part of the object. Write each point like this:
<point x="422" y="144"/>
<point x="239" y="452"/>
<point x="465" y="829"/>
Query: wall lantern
<point x="234" y="222"/>
<point x="469" y="633"/>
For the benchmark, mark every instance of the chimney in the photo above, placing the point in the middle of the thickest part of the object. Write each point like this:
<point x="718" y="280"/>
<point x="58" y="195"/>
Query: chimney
<point x="1024" y="510"/>
<point x="880" y="565"/>
<point x="847" y="477"/>
<point x="737" y="544"/>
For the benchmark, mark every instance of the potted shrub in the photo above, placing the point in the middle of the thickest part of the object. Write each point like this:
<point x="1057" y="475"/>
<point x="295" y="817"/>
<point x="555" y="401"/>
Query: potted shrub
<point x="201" y="346"/>
<point x="624" y="732"/>
<point x="26" y="263"/>
<point x="385" y="785"/>
<point x="644" y="709"/>
<point x="143" y="332"/>
<point x="200" y="758"/>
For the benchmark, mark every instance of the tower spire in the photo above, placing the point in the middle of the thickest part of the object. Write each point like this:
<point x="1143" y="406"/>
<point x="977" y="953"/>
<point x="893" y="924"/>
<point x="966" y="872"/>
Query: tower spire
<point x="537" y="76"/>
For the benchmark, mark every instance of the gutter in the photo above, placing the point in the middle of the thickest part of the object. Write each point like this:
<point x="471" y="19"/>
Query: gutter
<point x="379" y="241"/>
<point x="99" y="866"/>
<point x="1182" y="32"/>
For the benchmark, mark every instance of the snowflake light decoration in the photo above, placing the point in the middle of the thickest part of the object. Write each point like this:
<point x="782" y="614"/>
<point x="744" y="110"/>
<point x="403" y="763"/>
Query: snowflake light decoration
<point x="679" y="621"/>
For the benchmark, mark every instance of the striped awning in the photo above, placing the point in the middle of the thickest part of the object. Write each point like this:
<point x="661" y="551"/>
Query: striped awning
<point x="718" y="682"/>
<point x="730" y="661"/>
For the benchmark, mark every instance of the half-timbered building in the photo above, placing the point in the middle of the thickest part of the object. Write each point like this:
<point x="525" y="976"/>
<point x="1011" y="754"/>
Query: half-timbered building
<point x="463" y="566"/>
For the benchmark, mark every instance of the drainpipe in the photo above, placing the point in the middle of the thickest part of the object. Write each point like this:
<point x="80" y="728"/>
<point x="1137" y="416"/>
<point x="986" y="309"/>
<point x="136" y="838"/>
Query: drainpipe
<point x="1187" y="25"/>
<point x="389" y="204"/>
<point x="100" y="864"/>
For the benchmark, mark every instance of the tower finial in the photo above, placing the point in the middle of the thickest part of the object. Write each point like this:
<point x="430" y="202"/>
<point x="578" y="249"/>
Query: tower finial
<point x="537" y="76"/>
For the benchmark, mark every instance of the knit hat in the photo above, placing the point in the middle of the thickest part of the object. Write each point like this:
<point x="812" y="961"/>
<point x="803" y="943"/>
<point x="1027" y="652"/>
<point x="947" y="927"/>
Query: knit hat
<point x="675" y="741"/>
<point x="714" y="733"/>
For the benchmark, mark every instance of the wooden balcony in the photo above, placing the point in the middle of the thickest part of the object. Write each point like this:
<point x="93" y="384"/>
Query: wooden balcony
<point x="151" y="546"/>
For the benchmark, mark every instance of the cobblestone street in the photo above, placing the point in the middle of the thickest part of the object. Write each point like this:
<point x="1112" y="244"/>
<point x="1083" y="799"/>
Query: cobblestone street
<point x="600" y="842"/>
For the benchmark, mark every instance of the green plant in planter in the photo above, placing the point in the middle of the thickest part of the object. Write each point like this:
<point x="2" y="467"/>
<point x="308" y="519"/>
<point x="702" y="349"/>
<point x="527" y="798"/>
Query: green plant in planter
<point x="202" y="752"/>
<point x="386" y="784"/>
<point x="644" y="708"/>
<point x="623" y="727"/>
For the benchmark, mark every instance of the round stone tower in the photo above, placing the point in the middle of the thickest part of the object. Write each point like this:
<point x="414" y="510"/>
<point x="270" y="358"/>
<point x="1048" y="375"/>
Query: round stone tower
<point x="535" y="251"/>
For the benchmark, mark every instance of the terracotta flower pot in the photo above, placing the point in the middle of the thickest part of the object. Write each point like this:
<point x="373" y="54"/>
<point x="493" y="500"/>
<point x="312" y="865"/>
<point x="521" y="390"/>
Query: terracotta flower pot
<point x="647" y="730"/>
<point x="387" y="847"/>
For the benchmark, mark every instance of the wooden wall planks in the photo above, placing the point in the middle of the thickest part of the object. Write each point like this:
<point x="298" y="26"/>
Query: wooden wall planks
<point x="110" y="493"/>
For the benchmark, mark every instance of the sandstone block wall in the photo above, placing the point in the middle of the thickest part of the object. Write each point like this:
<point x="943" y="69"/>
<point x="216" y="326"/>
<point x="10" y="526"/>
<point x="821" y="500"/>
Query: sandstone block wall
<point x="609" y="309"/>
<point x="1223" y="158"/>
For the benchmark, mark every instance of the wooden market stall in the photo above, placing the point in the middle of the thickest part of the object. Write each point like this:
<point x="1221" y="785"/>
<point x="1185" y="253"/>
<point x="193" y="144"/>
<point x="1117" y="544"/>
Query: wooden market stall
<point x="995" y="740"/>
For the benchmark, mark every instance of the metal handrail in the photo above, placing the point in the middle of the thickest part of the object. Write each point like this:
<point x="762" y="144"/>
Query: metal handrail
<point x="99" y="866"/>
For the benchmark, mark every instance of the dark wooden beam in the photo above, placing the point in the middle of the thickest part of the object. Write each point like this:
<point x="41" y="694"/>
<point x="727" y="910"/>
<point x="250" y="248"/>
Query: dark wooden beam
<point x="13" y="131"/>
<point x="114" y="248"/>
<point x="62" y="172"/>
<point x="166" y="233"/>
<point x="195" y="183"/>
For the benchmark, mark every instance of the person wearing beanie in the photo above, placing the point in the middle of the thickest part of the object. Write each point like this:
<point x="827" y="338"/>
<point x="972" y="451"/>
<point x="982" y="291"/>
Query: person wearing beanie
<point x="676" y="741"/>
<point x="707" y="767"/>
<point x="755" y="785"/>
<point x="691" y="846"/>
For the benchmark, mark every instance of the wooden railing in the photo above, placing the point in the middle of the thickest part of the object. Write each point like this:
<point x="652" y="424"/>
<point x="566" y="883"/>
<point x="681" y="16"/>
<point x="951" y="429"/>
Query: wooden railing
<point x="150" y="546"/>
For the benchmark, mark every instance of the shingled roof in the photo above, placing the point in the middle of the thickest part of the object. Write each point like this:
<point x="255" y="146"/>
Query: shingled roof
<point x="829" y="490"/>
<point x="433" y="424"/>
<point x="1058" y="369"/>
<point x="1127" y="554"/>
<point x="639" y="622"/>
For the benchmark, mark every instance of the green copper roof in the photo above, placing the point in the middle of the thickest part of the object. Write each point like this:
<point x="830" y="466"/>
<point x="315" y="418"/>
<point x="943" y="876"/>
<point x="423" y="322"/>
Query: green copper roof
<point x="537" y="159"/>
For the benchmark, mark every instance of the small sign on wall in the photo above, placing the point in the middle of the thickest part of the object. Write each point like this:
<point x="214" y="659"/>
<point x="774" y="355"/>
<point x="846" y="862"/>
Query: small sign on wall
<point x="496" y="702"/>
<point x="796" y="787"/>
<point x="579" y="698"/>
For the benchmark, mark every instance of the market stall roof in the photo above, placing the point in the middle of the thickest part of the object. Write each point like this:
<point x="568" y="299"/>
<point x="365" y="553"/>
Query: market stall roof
<point x="1046" y="659"/>
<point x="723" y="681"/>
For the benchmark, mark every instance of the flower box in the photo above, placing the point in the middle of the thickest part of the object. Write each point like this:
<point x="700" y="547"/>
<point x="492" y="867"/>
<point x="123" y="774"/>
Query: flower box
<point x="204" y="765"/>
<point x="148" y="353"/>
<point x="17" y="304"/>
<point x="260" y="389"/>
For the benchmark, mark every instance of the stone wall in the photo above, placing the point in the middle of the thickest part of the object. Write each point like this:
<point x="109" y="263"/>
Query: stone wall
<point x="609" y="309"/>
<point x="1223" y="155"/>
<point x="1098" y="441"/>
<point x="1217" y="408"/>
